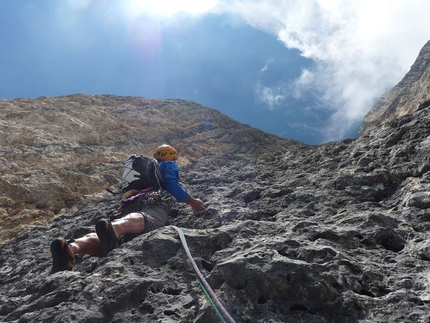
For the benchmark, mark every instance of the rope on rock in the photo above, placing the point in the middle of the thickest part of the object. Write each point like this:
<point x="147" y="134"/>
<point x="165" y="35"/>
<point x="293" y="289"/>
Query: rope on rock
<point x="207" y="290"/>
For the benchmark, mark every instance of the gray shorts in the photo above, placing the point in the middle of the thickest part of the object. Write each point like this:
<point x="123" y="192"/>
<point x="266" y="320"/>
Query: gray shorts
<point x="156" y="216"/>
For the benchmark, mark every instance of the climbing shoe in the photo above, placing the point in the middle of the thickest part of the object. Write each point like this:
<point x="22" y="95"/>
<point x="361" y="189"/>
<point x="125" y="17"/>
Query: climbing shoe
<point x="62" y="257"/>
<point x="107" y="237"/>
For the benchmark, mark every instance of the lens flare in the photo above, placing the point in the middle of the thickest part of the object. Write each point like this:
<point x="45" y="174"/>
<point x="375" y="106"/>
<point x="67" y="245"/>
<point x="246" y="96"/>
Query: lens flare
<point x="168" y="7"/>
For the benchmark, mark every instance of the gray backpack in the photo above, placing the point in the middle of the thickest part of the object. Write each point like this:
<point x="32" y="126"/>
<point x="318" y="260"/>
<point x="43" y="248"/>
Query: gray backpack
<point x="141" y="172"/>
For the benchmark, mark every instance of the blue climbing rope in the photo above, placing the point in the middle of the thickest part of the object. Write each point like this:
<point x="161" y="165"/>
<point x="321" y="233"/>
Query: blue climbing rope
<point x="207" y="290"/>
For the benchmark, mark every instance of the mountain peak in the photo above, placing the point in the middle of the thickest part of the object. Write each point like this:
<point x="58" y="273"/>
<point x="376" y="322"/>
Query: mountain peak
<point x="412" y="93"/>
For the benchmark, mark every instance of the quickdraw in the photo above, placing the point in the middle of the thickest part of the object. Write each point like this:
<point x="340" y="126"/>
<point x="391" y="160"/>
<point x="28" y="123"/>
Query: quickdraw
<point x="155" y="197"/>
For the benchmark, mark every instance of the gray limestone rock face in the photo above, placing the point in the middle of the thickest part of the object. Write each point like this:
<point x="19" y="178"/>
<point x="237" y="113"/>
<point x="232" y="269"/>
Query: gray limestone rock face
<point x="291" y="233"/>
<point x="329" y="233"/>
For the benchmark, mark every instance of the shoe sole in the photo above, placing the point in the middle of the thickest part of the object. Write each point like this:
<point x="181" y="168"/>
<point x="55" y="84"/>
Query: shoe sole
<point x="107" y="237"/>
<point x="62" y="256"/>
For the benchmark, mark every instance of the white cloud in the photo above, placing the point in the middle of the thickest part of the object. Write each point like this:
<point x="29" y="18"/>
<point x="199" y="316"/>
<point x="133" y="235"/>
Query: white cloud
<point x="361" y="48"/>
<point x="270" y="96"/>
<point x="266" y="66"/>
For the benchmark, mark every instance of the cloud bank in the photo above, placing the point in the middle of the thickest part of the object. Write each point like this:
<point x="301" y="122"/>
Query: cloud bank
<point x="361" y="49"/>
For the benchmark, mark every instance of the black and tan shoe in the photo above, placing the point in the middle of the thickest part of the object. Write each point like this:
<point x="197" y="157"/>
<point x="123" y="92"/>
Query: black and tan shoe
<point x="62" y="257"/>
<point x="107" y="237"/>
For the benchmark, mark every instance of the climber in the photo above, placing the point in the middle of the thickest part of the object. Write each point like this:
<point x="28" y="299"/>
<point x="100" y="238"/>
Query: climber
<point x="108" y="233"/>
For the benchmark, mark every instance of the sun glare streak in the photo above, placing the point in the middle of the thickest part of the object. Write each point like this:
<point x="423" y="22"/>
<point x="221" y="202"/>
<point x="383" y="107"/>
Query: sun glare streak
<point x="168" y="8"/>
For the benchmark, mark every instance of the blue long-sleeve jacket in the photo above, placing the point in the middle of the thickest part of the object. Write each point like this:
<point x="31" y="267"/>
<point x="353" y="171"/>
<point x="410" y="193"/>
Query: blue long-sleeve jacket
<point x="170" y="172"/>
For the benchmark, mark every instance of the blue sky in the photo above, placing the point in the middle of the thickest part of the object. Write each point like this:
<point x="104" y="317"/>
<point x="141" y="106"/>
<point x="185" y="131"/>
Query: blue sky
<point x="307" y="70"/>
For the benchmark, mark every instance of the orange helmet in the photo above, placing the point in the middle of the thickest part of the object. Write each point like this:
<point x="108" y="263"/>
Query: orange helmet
<point x="166" y="152"/>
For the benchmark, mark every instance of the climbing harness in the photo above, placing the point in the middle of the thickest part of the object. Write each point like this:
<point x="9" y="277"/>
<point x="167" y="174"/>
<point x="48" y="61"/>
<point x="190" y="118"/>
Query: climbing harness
<point x="207" y="290"/>
<point x="134" y="200"/>
<point x="148" y="196"/>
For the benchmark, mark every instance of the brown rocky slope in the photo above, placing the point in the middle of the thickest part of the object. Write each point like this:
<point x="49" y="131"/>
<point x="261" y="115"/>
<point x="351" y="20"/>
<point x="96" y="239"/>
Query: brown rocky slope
<point x="56" y="151"/>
